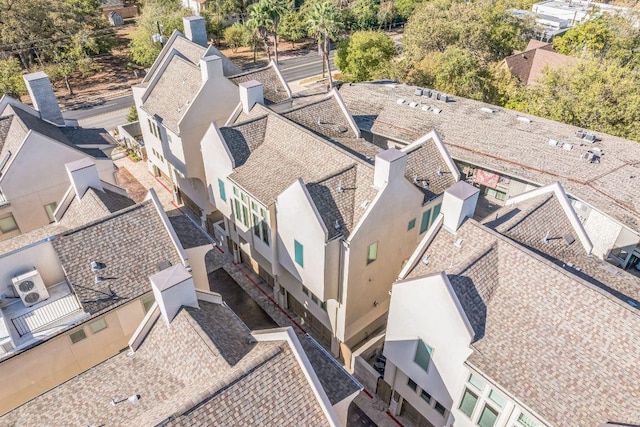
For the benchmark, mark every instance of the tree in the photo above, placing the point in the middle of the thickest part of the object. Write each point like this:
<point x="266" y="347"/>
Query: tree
<point x="260" y="21"/>
<point x="324" y="25"/>
<point x="454" y="71"/>
<point x="265" y="16"/>
<point x="168" y="14"/>
<point x="598" y="95"/>
<point x="74" y="57"/>
<point x="604" y="37"/>
<point x="214" y="24"/>
<point x="293" y="27"/>
<point x="365" y="55"/>
<point x="487" y="29"/>
<point x="365" y="13"/>
<point x="233" y="36"/>
<point x="11" y="82"/>
<point x="132" y="115"/>
<point x="250" y="39"/>
<point x="386" y="14"/>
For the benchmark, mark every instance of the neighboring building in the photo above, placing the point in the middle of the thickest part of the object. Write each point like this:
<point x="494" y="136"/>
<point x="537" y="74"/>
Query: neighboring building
<point x="116" y="10"/>
<point x="489" y="329"/>
<point x="528" y="66"/>
<point x="193" y="362"/>
<point x="73" y="299"/>
<point x="188" y="87"/>
<point x="35" y="145"/>
<point x="325" y="217"/>
<point x="506" y="153"/>
<point x="574" y="12"/>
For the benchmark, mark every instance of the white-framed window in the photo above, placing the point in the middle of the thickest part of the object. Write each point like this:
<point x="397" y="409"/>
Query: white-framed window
<point x="480" y="402"/>
<point x="422" y="356"/>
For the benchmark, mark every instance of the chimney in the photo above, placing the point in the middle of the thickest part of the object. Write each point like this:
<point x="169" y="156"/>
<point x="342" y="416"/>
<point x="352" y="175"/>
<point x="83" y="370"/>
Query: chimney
<point x="251" y="92"/>
<point x="43" y="98"/>
<point x="195" y="29"/>
<point x="173" y="288"/>
<point x="83" y="174"/>
<point x="211" y="67"/>
<point x="459" y="203"/>
<point x="390" y="165"/>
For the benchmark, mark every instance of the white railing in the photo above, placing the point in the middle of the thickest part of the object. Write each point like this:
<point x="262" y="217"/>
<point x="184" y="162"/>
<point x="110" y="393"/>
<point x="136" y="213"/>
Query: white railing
<point x="3" y="200"/>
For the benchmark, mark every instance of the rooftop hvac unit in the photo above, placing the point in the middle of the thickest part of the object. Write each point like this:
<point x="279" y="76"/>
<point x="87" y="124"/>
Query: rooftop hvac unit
<point x="30" y="288"/>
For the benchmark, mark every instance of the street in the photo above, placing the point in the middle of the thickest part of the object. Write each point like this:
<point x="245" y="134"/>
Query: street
<point x="108" y="114"/>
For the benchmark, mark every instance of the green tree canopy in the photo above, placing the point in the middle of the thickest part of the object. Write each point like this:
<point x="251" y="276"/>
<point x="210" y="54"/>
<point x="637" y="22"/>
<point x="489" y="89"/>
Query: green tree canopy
<point x="11" y="82"/>
<point x="455" y="71"/>
<point x="365" y="13"/>
<point x="365" y="55"/>
<point x="169" y="14"/>
<point x="293" y="27"/>
<point x="234" y="36"/>
<point x="324" y="24"/>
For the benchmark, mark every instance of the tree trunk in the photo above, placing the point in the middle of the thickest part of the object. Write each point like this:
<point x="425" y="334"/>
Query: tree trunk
<point x="275" y="46"/>
<point x="326" y="56"/>
<point x="66" y="82"/>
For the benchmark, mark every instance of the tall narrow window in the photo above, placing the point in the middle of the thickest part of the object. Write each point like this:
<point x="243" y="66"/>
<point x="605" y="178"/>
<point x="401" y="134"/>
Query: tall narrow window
<point x="423" y="355"/>
<point x="299" y="253"/>
<point x="468" y="403"/>
<point x="223" y="193"/>
<point x="436" y="212"/>
<point x="372" y="253"/>
<point x="488" y="417"/>
<point x="8" y="224"/>
<point x="256" y="224"/>
<point x="424" y="223"/>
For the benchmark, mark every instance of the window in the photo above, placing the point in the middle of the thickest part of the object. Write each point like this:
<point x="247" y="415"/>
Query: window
<point x="299" y="253"/>
<point x="265" y="231"/>
<point x="424" y="222"/>
<point x="496" y="398"/>
<point x="256" y="225"/>
<point x="98" y="326"/>
<point x="8" y="224"/>
<point x="77" y="336"/>
<point x="51" y="208"/>
<point x="412" y="384"/>
<point x="468" y="403"/>
<point x="147" y="303"/>
<point x="526" y="421"/>
<point x="425" y="396"/>
<point x="440" y="409"/>
<point x="315" y="299"/>
<point x="411" y="224"/>
<point x="323" y="305"/>
<point x="488" y="417"/>
<point x="169" y="138"/>
<point x="476" y="381"/>
<point x="223" y="193"/>
<point x="372" y="253"/>
<point x="238" y="214"/>
<point x="305" y="290"/>
<point x="423" y="355"/>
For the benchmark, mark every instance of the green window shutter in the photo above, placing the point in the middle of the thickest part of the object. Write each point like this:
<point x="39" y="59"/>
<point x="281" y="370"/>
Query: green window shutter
<point x="436" y="212"/>
<point x="424" y="223"/>
<point x="299" y="253"/>
<point x="223" y="193"/>
<point x="423" y="355"/>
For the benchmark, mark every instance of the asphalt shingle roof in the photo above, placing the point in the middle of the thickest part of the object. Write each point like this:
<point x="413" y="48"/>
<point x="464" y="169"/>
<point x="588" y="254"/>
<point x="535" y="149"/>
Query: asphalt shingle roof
<point x="200" y="371"/>
<point x="132" y="243"/>
<point x="174" y="91"/>
<point x="565" y="348"/>
<point x="509" y="142"/>
<point x="273" y="89"/>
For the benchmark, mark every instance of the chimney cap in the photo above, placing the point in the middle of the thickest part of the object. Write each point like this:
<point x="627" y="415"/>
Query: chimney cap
<point x="391" y="154"/>
<point x="250" y="84"/>
<point x="170" y="277"/>
<point x="462" y="190"/>
<point x="193" y="18"/>
<point x="76" y="165"/>
<point x="35" y="76"/>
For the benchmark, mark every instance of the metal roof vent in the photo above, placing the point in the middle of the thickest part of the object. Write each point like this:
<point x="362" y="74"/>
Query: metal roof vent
<point x="340" y="188"/>
<point x="96" y="266"/>
<point x="364" y="204"/>
<point x="523" y="119"/>
<point x="458" y="243"/>
<point x="439" y="173"/>
<point x="425" y="108"/>
<point x="336" y="225"/>
<point x="99" y="279"/>
<point x="567" y="147"/>
<point x="425" y="259"/>
<point x="342" y="129"/>
<point x="400" y="101"/>
<point x="569" y="239"/>
<point x="413" y="104"/>
<point x="436" y="111"/>
<point x="487" y="110"/>
<point x="418" y="92"/>
<point x="426" y="92"/>
<point x="553" y="143"/>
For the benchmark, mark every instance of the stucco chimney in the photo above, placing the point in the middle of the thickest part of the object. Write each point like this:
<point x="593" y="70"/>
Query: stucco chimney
<point x="251" y="92"/>
<point x="211" y="67"/>
<point x="390" y="165"/>
<point x="195" y="29"/>
<point x="459" y="202"/>
<point x="43" y="98"/>
<point x="83" y="174"/>
<point x="173" y="288"/>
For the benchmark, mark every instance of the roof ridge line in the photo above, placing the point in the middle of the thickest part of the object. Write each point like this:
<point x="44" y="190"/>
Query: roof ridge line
<point x="140" y="205"/>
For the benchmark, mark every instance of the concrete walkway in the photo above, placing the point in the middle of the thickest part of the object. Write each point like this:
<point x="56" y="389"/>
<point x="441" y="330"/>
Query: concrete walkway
<point x="250" y="282"/>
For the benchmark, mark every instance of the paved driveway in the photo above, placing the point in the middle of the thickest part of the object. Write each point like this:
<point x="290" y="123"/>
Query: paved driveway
<point x="239" y="301"/>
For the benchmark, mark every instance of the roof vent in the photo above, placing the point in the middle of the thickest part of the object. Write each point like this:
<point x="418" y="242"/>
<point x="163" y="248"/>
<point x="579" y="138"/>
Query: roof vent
<point x="425" y="259"/>
<point x="569" y="239"/>
<point x="487" y="110"/>
<point x="95" y="266"/>
<point x="425" y="108"/>
<point x="320" y="122"/>
<point x="342" y="129"/>
<point x="99" y="279"/>
<point x="364" y="204"/>
<point x="439" y="173"/>
<point x="523" y="119"/>
<point x="336" y="225"/>
<point x="458" y="243"/>
<point x="434" y="94"/>
<point x="545" y="239"/>
<point x="426" y="92"/>
<point x="567" y="147"/>
<point x="436" y="111"/>
<point x="553" y="143"/>
<point x="400" y="101"/>
<point x="589" y="137"/>
<point x="413" y="104"/>
<point x="340" y="188"/>
<point x="418" y="92"/>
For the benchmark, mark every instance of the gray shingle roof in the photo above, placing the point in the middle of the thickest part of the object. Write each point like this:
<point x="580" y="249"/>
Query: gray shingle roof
<point x="132" y="243"/>
<point x="5" y="124"/>
<point x="505" y="141"/>
<point x="174" y="91"/>
<point x="560" y="345"/>
<point x="425" y="164"/>
<point x="177" y="44"/>
<point x="272" y="153"/>
<point x="274" y="90"/>
<point x="201" y="371"/>
<point x="528" y="223"/>
<point x="95" y="204"/>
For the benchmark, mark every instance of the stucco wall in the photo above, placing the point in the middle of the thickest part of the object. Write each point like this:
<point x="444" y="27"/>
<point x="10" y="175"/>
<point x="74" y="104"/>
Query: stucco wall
<point x="603" y="232"/>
